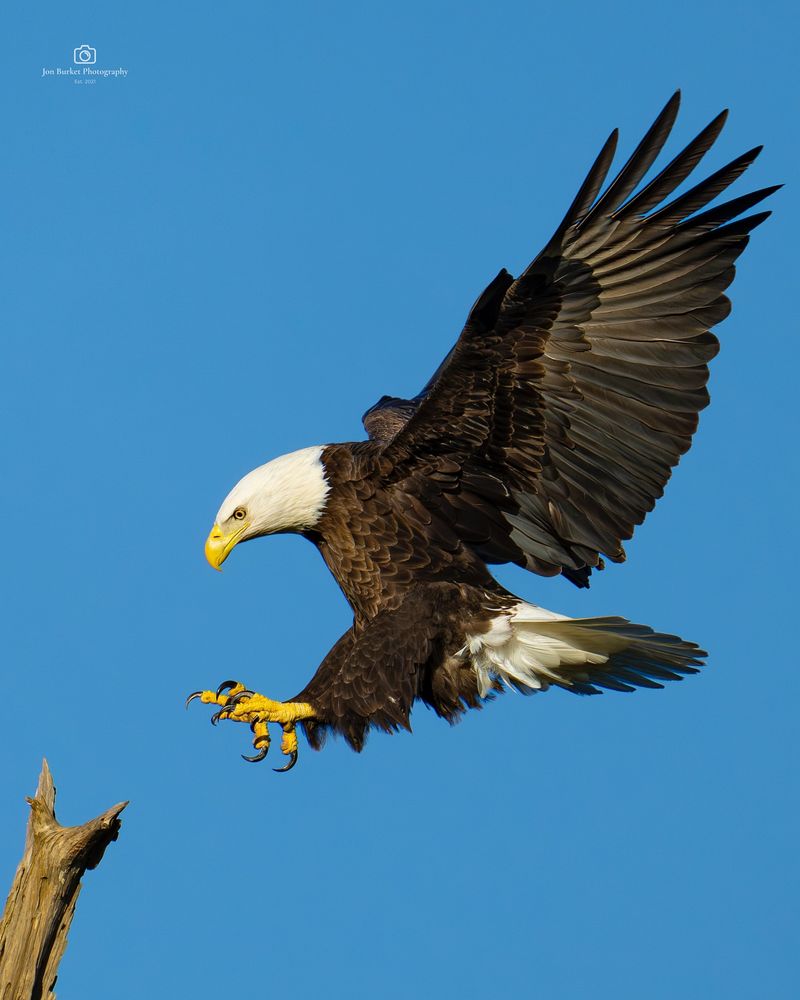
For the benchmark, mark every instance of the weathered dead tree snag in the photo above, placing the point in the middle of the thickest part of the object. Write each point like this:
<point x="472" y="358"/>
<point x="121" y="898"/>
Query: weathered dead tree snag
<point x="41" y="904"/>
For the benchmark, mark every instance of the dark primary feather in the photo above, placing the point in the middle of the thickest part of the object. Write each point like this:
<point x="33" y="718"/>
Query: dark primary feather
<point x="552" y="426"/>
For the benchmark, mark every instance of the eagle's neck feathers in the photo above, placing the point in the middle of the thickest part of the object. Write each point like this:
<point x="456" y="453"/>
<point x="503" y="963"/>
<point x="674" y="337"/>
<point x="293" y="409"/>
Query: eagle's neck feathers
<point x="287" y="494"/>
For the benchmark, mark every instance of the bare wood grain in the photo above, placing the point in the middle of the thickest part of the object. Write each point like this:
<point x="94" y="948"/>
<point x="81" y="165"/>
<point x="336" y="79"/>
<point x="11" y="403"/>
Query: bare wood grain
<point x="41" y="904"/>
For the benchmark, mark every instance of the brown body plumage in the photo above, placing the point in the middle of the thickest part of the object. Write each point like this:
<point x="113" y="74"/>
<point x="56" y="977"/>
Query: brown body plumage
<point x="414" y="586"/>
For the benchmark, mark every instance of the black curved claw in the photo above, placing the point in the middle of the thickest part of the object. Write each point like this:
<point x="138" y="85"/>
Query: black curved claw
<point x="218" y="715"/>
<point x="262" y="753"/>
<point x="192" y="696"/>
<point x="240" y="696"/>
<point x="226" y="686"/>
<point x="286" y="767"/>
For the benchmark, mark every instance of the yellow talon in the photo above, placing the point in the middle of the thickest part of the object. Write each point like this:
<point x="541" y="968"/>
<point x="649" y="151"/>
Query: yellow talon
<point x="259" y="711"/>
<point x="218" y="697"/>
<point x="260" y="707"/>
<point x="289" y="740"/>
<point x="260" y="734"/>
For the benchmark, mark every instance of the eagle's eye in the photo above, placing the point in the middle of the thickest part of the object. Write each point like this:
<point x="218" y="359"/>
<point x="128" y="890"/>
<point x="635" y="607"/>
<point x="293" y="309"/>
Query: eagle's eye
<point x="240" y="514"/>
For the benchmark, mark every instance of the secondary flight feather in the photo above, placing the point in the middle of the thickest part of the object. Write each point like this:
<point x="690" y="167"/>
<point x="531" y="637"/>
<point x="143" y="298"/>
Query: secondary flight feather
<point x="546" y="435"/>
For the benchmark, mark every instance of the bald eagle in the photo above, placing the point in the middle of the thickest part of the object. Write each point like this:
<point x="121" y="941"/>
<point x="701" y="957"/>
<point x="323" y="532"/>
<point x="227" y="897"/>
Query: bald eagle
<point x="546" y="434"/>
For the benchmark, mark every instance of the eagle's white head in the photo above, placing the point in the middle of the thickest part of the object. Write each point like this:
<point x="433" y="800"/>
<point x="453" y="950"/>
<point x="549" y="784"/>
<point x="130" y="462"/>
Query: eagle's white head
<point x="286" y="494"/>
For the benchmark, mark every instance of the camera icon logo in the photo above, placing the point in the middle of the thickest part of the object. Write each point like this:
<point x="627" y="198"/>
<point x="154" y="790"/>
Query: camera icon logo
<point x="84" y="55"/>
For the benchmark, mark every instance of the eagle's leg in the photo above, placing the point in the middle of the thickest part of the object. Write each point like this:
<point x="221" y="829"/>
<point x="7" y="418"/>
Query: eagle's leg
<point x="241" y="705"/>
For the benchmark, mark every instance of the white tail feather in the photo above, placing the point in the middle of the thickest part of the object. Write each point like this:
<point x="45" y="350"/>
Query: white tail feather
<point x="531" y="648"/>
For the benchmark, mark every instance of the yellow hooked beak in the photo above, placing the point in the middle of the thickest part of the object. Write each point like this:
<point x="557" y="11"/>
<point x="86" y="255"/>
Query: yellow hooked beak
<point x="218" y="546"/>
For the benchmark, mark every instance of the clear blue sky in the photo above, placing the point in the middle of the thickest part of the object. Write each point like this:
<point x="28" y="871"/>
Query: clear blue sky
<point x="282" y="212"/>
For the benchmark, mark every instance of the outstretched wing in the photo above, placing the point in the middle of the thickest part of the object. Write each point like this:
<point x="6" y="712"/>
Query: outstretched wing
<point x="553" y="425"/>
